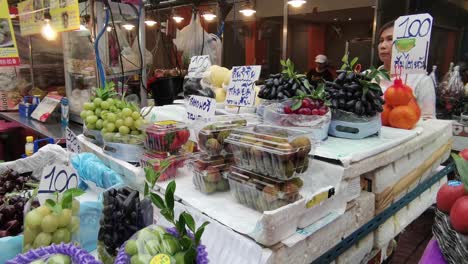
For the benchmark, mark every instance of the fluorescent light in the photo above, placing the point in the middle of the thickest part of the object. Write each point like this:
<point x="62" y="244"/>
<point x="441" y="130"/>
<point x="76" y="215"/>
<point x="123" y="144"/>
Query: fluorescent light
<point x="247" y="10"/>
<point x="150" y="22"/>
<point x="48" y="32"/>
<point x="296" y="3"/>
<point x="128" y="26"/>
<point x="208" y="16"/>
<point x="177" y="18"/>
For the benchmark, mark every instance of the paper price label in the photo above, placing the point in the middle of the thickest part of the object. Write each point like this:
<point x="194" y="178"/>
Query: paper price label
<point x="73" y="144"/>
<point x="411" y="40"/>
<point x="240" y="91"/>
<point x="318" y="198"/>
<point x="198" y="65"/>
<point x="56" y="178"/>
<point x="199" y="106"/>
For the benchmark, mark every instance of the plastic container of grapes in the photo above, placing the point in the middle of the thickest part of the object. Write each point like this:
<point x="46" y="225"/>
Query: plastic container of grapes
<point x="210" y="173"/>
<point x="44" y="227"/>
<point x="166" y="136"/>
<point x="349" y="125"/>
<point x="212" y="134"/>
<point x="94" y="135"/>
<point x="262" y="193"/>
<point x="315" y="124"/>
<point x="124" y="147"/>
<point x="157" y="244"/>
<point x="153" y="160"/>
<point x="280" y="153"/>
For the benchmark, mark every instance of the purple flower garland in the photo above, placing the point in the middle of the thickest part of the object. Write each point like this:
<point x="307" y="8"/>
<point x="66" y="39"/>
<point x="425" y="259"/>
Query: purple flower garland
<point x="202" y="255"/>
<point x="77" y="254"/>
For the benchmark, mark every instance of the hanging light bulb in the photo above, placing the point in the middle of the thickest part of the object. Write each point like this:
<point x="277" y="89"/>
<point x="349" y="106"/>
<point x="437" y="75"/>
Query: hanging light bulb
<point x="209" y="15"/>
<point x="109" y="28"/>
<point x="177" y="18"/>
<point x="47" y="31"/>
<point x="296" y="3"/>
<point x="128" y="26"/>
<point x="149" y="21"/>
<point x="247" y="9"/>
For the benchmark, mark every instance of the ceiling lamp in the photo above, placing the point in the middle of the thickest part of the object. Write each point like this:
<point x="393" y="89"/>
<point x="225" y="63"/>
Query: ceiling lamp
<point x="109" y="28"/>
<point x="209" y="15"/>
<point x="47" y="31"/>
<point x="247" y="9"/>
<point x="128" y="26"/>
<point x="296" y="3"/>
<point x="149" y="21"/>
<point x="177" y="18"/>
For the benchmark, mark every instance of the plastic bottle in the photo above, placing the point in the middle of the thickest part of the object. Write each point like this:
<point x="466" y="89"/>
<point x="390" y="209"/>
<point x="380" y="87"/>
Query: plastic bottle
<point x="29" y="147"/>
<point x="65" y="108"/>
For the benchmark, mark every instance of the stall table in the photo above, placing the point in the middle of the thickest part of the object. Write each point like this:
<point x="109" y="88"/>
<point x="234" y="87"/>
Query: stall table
<point x="343" y="162"/>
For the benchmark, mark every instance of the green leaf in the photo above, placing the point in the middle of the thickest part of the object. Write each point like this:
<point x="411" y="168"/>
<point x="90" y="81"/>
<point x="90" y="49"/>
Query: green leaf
<point x="199" y="232"/>
<point x="180" y="225"/>
<point x="345" y="59"/>
<point x="374" y="86"/>
<point x="186" y="243"/>
<point x="344" y="67"/>
<point x="296" y="105"/>
<point x="462" y="168"/>
<point x="67" y="201"/>
<point x="189" y="220"/>
<point x="170" y="190"/>
<point x="377" y="79"/>
<point x="74" y="192"/>
<point x="288" y="63"/>
<point x="150" y="175"/>
<point x="190" y="256"/>
<point x="167" y="213"/>
<point x="354" y="61"/>
<point x="306" y="83"/>
<point x="51" y="204"/>
<point x="385" y="74"/>
<point x="146" y="193"/>
<point x="301" y="93"/>
<point x="283" y="63"/>
<point x="157" y="200"/>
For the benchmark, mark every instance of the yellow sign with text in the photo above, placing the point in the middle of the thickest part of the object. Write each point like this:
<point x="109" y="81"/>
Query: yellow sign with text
<point x="8" y="49"/>
<point x="65" y="15"/>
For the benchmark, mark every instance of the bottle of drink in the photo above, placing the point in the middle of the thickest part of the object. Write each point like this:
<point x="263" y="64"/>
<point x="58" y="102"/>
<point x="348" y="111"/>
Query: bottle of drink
<point x="64" y="107"/>
<point x="29" y="147"/>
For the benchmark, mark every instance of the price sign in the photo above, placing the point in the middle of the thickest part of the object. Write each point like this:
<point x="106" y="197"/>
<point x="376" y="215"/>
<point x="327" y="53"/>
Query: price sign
<point x="240" y="91"/>
<point x="200" y="106"/>
<point x="411" y="40"/>
<point x="73" y="144"/>
<point x="198" y="65"/>
<point x="56" y="178"/>
<point x="46" y="107"/>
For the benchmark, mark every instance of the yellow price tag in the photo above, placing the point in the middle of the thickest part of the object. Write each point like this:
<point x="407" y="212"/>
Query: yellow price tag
<point x="161" y="259"/>
<point x="166" y="122"/>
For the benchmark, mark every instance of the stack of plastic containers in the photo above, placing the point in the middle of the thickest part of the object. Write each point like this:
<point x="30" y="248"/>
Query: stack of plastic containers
<point x="163" y="144"/>
<point x="210" y="168"/>
<point x="267" y="164"/>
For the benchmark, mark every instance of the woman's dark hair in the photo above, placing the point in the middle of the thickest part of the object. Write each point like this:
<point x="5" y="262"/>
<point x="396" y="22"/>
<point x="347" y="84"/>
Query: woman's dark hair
<point x="389" y="24"/>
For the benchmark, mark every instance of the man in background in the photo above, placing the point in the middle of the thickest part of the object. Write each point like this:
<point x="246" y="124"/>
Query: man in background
<point x="321" y="71"/>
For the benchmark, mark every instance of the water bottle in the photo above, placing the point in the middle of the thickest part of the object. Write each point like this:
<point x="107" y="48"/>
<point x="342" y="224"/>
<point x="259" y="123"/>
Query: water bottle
<point x="65" y="108"/>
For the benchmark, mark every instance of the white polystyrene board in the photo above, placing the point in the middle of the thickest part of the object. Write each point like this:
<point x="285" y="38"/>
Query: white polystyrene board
<point x="223" y="208"/>
<point x="351" y="150"/>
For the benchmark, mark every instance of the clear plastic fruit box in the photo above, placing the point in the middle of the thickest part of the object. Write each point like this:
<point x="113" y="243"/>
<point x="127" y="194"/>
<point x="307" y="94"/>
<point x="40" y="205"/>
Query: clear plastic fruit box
<point x="279" y="153"/>
<point x="316" y="124"/>
<point x="210" y="173"/>
<point x="154" y="160"/>
<point x="124" y="147"/>
<point x="349" y="125"/>
<point x="94" y="135"/>
<point x="212" y="134"/>
<point x="166" y="136"/>
<point x="261" y="193"/>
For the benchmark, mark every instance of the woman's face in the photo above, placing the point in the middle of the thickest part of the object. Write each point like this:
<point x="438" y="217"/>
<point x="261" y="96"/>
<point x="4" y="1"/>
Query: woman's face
<point x="385" y="45"/>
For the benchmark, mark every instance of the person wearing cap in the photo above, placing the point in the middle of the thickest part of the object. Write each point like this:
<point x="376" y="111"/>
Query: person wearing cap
<point x="321" y="71"/>
<point x="422" y="85"/>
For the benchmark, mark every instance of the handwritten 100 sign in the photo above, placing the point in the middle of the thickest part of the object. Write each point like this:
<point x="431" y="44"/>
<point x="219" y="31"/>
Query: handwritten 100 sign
<point x="240" y="91"/>
<point x="412" y="36"/>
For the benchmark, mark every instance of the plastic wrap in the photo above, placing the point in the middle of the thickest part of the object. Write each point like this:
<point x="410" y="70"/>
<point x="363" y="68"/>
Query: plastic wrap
<point x="349" y="125"/>
<point x="268" y="150"/>
<point x="154" y="160"/>
<point x="166" y="136"/>
<point x="155" y="241"/>
<point x="316" y="124"/>
<point x="48" y="255"/>
<point x="125" y="147"/>
<point x="123" y="215"/>
<point x="94" y="135"/>
<point x="210" y="173"/>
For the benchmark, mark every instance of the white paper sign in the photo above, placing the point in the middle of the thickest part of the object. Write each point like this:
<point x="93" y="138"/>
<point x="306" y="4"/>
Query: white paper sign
<point x="73" y="144"/>
<point x="56" y="178"/>
<point x="200" y="106"/>
<point x="411" y="40"/>
<point x="198" y="65"/>
<point x="46" y="107"/>
<point x="240" y="91"/>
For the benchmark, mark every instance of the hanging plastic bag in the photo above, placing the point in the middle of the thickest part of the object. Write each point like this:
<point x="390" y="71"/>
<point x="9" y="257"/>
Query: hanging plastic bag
<point x="131" y="57"/>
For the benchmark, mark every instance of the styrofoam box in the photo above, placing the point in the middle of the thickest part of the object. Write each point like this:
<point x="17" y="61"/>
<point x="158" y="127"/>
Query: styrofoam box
<point x="394" y="225"/>
<point x="360" y="211"/>
<point x="433" y="138"/>
<point x="357" y="252"/>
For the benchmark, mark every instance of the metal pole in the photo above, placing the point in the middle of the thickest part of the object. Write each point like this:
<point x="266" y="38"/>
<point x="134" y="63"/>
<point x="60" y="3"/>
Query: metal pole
<point x="31" y="62"/>
<point x="285" y="30"/>
<point x="374" y="32"/>
<point x="142" y="35"/>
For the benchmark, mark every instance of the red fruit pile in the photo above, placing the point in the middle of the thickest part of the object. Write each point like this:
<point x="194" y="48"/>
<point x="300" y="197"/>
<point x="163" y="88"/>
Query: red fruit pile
<point x="308" y="107"/>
